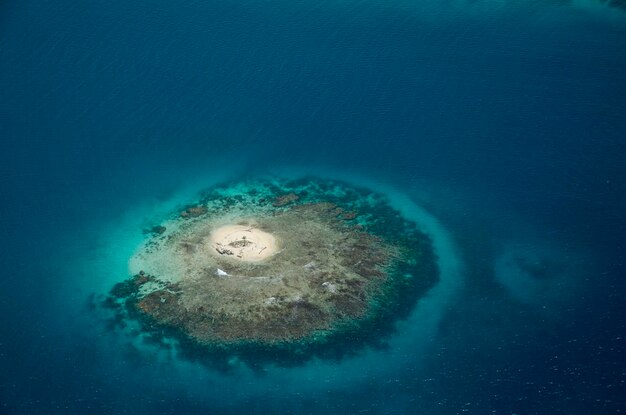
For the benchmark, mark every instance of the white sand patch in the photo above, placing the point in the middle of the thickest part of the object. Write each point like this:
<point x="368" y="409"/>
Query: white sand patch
<point x="242" y="242"/>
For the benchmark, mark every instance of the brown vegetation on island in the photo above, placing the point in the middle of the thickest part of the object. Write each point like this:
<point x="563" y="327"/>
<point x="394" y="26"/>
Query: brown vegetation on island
<point x="328" y="274"/>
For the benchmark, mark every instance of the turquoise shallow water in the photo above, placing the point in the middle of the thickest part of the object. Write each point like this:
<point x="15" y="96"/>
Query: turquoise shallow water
<point x="277" y="384"/>
<point x="497" y="126"/>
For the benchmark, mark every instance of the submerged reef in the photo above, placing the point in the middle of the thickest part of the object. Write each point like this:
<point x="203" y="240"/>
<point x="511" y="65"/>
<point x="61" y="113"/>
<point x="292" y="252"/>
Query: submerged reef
<point x="275" y="270"/>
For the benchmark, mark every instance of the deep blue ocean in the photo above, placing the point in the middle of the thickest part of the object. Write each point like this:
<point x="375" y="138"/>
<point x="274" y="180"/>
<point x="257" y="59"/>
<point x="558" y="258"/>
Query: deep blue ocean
<point x="500" y="124"/>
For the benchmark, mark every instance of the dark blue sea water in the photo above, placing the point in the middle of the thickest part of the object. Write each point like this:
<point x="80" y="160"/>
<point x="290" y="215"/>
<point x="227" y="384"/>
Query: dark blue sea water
<point x="499" y="124"/>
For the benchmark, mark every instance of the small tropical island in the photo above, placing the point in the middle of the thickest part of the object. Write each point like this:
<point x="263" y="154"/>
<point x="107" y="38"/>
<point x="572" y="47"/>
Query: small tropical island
<point x="275" y="270"/>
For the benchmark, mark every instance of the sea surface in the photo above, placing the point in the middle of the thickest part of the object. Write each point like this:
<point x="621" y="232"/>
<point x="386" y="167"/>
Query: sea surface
<point x="499" y="126"/>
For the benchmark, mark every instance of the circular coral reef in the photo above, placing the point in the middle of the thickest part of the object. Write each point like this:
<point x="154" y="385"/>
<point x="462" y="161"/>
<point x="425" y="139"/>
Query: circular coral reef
<point x="276" y="269"/>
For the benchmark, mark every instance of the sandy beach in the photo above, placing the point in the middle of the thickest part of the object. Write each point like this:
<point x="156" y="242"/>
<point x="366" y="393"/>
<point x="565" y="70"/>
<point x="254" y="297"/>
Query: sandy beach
<point x="244" y="243"/>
